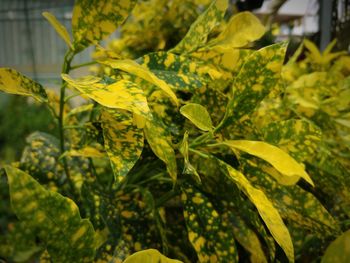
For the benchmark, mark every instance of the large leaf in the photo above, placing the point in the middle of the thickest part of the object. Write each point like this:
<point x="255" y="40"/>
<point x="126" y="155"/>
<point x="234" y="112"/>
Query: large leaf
<point x="200" y="29"/>
<point x="122" y="94"/>
<point x="266" y="210"/>
<point x="278" y="158"/>
<point x="54" y="218"/>
<point x="123" y="141"/>
<point x="338" y="251"/>
<point x="14" y="82"/>
<point x="142" y="72"/>
<point x="93" y="20"/>
<point x="149" y="256"/>
<point x="160" y="142"/>
<point x="198" y="115"/>
<point x="210" y="238"/>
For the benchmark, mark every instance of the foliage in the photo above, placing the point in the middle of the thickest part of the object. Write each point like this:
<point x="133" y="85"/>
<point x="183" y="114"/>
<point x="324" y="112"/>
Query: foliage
<point x="175" y="153"/>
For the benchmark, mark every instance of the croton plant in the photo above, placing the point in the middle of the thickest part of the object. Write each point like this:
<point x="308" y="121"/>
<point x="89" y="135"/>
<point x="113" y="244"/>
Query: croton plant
<point x="190" y="144"/>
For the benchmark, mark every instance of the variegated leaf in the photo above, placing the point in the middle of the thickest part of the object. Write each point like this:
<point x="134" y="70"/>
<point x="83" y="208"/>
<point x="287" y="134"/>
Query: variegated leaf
<point x="14" y="82"/>
<point x="209" y="236"/>
<point x="123" y="141"/>
<point x="198" y="115"/>
<point x="94" y="20"/>
<point x="54" y="218"/>
<point x="149" y="256"/>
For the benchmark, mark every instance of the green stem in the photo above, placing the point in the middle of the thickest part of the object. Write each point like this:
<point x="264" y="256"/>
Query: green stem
<point x="166" y="197"/>
<point x="83" y="65"/>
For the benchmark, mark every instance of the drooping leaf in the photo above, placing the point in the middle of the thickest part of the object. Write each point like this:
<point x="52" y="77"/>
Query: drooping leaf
<point x="14" y="82"/>
<point x="54" y="218"/>
<point x="133" y="68"/>
<point x="198" y="115"/>
<point x="160" y="142"/>
<point x="123" y="141"/>
<point x="200" y="29"/>
<point x="60" y="29"/>
<point x="208" y="235"/>
<point x="94" y="20"/>
<point x="149" y="256"/>
<point x="338" y="250"/>
<point x="278" y="158"/>
<point x="266" y="210"/>
<point x="122" y="94"/>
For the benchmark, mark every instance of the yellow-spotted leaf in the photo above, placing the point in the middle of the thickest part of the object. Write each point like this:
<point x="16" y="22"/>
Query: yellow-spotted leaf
<point x="266" y="210"/>
<point x="278" y="158"/>
<point x="54" y="218"/>
<point x="200" y="29"/>
<point x="160" y="142"/>
<point x="123" y="141"/>
<point x="133" y="68"/>
<point x="198" y="115"/>
<point x="149" y="256"/>
<point x="13" y="82"/>
<point x="60" y="29"/>
<point x="94" y="20"/>
<point x="87" y="151"/>
<point x="242" y="29"/>
<point x="339" y="250"/>
<point x="210" y="237"/>
<point x="122" y="94"/>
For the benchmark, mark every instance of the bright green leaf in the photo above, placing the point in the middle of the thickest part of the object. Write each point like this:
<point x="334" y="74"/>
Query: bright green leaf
<point x="149" y="256"/>
<point x="198" y="115"/>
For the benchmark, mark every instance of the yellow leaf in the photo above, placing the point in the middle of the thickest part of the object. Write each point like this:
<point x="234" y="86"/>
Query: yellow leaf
<point x="133" y="68"/>
<point x="86" y="151"/>
<point x="149" y="256"/>
<point x="278" y="158"/>
<point x="338" y="251"/>
<point x="60" y="29"/>
<point x="198" y="115"/>
<point x="314" y="52"/>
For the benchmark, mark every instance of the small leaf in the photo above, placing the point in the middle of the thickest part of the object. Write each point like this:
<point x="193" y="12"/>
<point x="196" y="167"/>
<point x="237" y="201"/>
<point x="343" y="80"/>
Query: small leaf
<point x="14" y="82"/>
<point x="160" y="143"/>
<point x="198" y="115"/>
<point x="123" y="141"/>
<point x="122" y="94"/>
<point x="86" y="151"/>
<point x="200" y="29"/>
<point x="278" y="158"/>
<point x="142" y="72"/>
<point x="338" y="251"/>
<point x="60" y="29"/>
<point x="149" y="256"/>
<point x="94" y="20"/>
<point x="54" y="218"/>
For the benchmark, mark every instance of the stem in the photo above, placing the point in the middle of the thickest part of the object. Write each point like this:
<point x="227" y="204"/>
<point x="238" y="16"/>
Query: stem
<point x="83" y="65"/>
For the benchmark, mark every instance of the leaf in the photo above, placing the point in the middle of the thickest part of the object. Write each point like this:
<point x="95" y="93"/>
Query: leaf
<point x="242" y="29"/>
<point x="258" y="76"/>
<point x="200" y="29"/>
<point x="123" y="141"/>
<point x="315" y="54"/>
<point x="149" y="256"/>
<point x="160" y="143"/>
<point x="338" y="251"/>
<point x="266" y="210"/>
<point x="198" y="115"/>
<point x="94" y="20"/>
<point x="54" y="218"/>
<point x="60" y="29"/>
<point x="79" y="109"/>
<point x="122" y="94"/>
<point x="209" y="236"/>
<point x="86" y="151"/>
<point x="278" y="158"/>
<point x="13" y="82"/>
<point x="142" y="72"/>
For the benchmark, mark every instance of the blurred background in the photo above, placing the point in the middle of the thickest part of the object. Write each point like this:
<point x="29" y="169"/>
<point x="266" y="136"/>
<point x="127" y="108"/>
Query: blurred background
<point x="30" y="45"/>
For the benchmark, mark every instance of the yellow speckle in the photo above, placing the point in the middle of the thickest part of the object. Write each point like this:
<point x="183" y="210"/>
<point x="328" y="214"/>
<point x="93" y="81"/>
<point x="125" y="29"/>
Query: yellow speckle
<point x="169" y="60"/>
<point x="197" y="200"/>
<point x="127" y="214"/>
<point x="137" y="246"/>
<point x="78" y="234"/>
<point x="213" y="259"/>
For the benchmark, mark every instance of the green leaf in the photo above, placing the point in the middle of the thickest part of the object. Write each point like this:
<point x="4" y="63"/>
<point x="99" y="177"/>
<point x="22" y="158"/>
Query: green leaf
<point x="94" y="20"/>
<point x="160" y="143"/>
<point x="123" y="141"/>
<point x="200" y="29"/>
<point x="338" y="251"/>
<point x="142" y="72"/>
<point x="149" y="256"/>
<point x="209" y="236"/>
<point x="54" y="218"/>
<point x="278" y="158"/>
<point x="122" y="94"/>
<point x="14" y="82"/>
<point x="198" y="115"/>
<point x="60" y="29"/>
